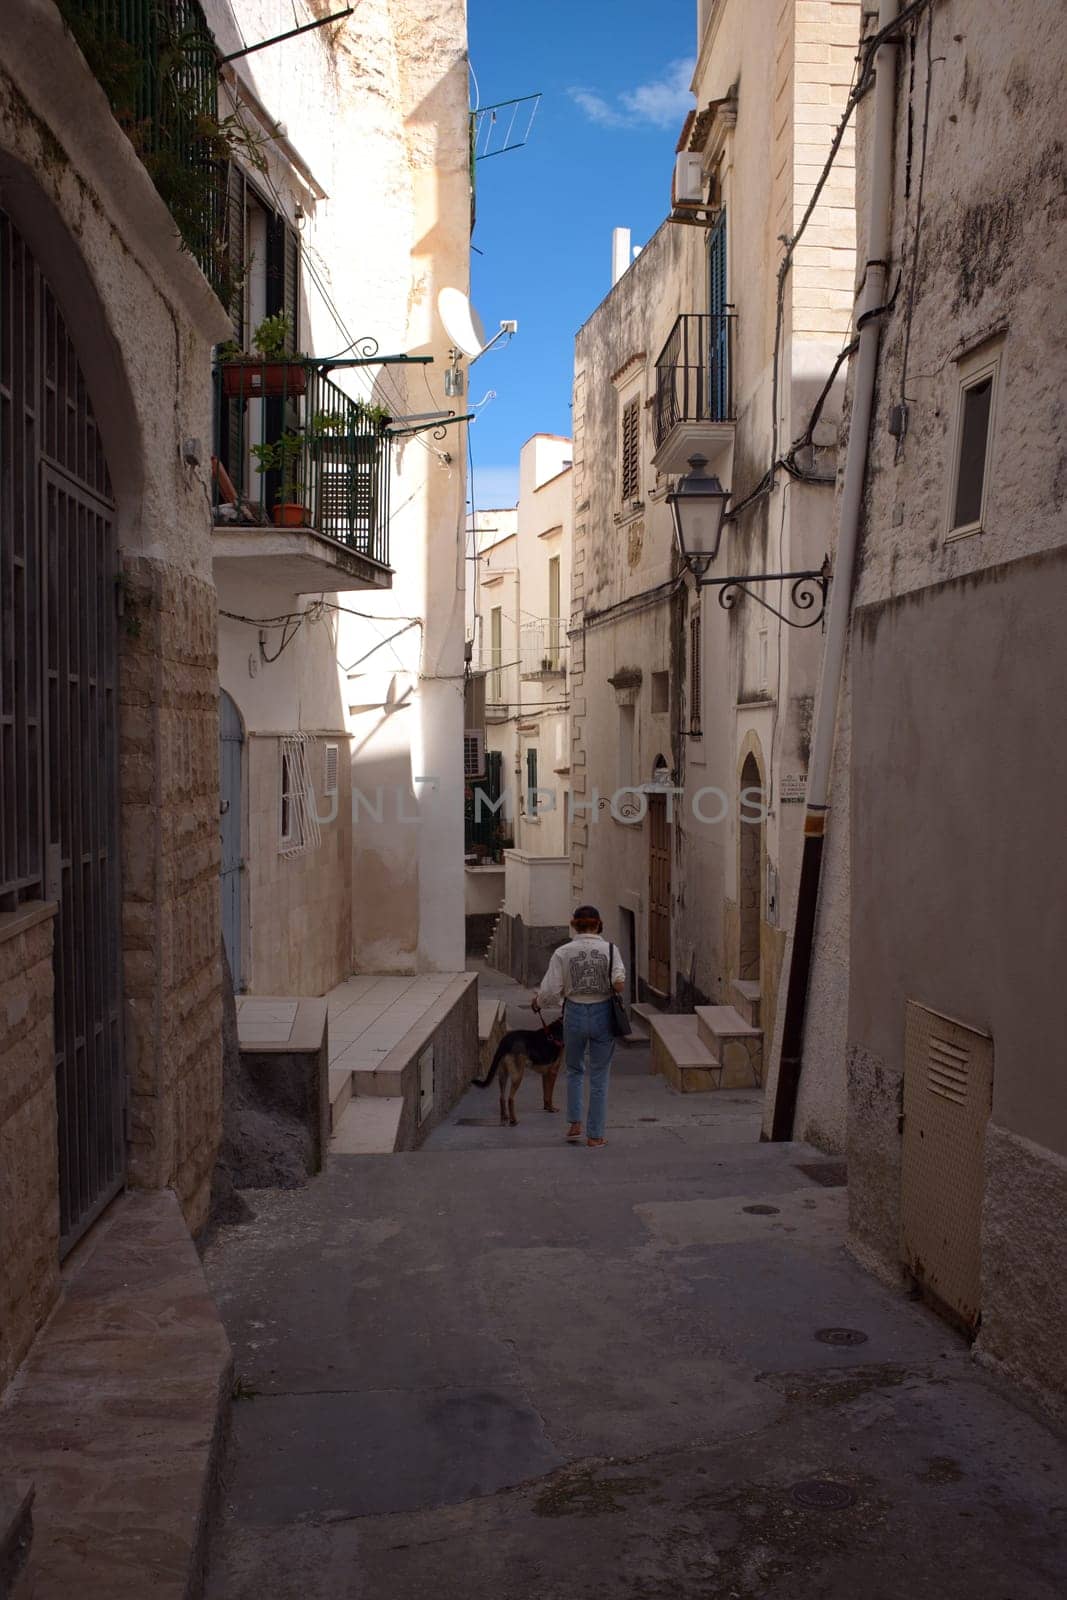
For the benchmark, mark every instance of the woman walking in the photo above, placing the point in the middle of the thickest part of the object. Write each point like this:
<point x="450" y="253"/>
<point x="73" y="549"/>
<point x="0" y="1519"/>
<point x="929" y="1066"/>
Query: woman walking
<point x="583" y="973"/>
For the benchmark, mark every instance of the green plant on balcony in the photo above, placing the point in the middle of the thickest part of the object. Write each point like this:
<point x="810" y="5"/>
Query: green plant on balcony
<point x="284" y="456"/>
<point x="277" y="371"/>
<point x="158" y="65"/>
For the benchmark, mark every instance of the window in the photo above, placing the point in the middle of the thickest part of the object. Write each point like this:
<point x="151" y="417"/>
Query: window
<point x="661" y="692"/>
<point x="695" y="675"/>
<point x="631" y="449"/>
<point x="975" y="413"/>
<point x="289" y="824"/>
<point x="473" y="753"/>
<point x="496" y="653"/>
<point x="264" y="259"/>
<point x="552" y="643"/>
<point x="531" y="783"/>
<point x="329" y="769"/>
<point x="298" y="818"/>
<point x="625" y="773"/>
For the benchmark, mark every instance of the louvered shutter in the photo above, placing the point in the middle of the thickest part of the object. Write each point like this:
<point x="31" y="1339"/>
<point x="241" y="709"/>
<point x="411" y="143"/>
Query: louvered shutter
<point x="631" y="449"/>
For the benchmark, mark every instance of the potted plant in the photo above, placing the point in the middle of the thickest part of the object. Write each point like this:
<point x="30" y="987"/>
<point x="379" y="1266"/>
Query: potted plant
<point x="283" y="456"/>
<point x="275" y="373"/>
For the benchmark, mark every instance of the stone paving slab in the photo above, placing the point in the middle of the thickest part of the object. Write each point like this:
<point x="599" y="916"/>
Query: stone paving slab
<point x="117" y="1412"/>
<point x="639" y="1384"/>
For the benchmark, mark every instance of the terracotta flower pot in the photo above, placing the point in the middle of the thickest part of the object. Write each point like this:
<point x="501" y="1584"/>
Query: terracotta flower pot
<point x="289" y="515"/>
<point x="250" y="380"/>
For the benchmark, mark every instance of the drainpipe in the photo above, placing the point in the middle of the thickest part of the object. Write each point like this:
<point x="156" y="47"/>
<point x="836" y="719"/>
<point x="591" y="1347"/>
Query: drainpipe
<point x="872" y="297"/>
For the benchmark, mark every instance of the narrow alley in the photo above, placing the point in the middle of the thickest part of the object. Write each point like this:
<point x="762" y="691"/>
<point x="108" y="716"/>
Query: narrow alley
<point x="501" y="1366"/>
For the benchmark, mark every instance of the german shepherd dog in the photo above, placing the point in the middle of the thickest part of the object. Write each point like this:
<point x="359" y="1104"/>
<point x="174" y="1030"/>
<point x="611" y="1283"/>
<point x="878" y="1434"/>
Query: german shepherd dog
<point x="538" y="1048"/>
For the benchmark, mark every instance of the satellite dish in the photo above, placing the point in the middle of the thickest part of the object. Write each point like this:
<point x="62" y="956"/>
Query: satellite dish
<point x="461" y="322"/>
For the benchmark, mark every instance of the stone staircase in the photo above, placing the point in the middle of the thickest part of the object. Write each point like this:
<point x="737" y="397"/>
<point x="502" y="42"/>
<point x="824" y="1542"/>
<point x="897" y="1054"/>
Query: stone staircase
<point x="713" y="1047"/>
<point x="368" y="1093"/>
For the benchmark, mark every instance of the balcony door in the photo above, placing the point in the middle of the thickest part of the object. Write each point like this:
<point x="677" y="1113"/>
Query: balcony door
<point x="719" y="326"/>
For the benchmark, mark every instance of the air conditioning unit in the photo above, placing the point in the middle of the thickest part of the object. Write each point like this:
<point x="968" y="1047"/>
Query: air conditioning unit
<point x="473" y="753"/>
<point x="688" y="186"/>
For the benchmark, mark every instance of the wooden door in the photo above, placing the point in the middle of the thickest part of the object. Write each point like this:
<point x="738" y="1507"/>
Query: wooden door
<point x="659" y="895"/>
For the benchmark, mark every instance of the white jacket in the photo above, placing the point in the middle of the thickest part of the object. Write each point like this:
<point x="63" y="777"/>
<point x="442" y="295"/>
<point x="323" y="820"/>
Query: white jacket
<point x="578" y="971"/>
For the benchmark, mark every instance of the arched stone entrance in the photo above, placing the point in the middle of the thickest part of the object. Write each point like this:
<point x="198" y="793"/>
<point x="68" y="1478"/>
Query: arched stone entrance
<point x="750" y="870"/>
<point x="59" y="576"/>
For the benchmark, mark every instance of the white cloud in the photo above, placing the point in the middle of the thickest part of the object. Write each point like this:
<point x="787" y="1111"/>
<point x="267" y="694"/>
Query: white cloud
<point x="663" y="101"/>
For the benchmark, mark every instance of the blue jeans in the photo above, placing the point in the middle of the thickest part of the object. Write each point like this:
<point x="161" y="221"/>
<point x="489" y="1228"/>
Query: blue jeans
<point x="588" y="1028"/>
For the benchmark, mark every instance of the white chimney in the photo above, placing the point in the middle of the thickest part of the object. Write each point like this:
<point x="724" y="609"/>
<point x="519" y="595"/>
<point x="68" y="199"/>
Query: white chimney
<point x="620" y="253"/>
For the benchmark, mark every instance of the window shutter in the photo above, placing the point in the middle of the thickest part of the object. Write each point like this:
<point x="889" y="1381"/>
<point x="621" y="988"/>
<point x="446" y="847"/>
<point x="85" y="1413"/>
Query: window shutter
<point x="291" y="287"/>
<point x="329" y="775"/>
<point x="631" y="442"/>
<point x="531" y="781"/>
<point x="235" y="248"/>
<point x="695" y="696"/>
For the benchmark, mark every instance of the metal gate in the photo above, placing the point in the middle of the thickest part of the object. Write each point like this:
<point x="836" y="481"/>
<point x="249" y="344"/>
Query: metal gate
<point x="231" y="754"/>
<point x="59" y="692"/>
<point x="659" y="895"/>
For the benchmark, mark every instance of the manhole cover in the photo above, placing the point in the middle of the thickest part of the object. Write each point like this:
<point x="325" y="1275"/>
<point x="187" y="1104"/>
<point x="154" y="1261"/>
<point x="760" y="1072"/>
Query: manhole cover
<point x="822" y="1494"/>
<point x="761" y="1211"/>
<point x="840" y="1336"/>
<point x="830" y="1174"/>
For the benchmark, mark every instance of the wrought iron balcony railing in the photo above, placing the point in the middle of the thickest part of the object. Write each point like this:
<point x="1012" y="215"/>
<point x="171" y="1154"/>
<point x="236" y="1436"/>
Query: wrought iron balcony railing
<point x="158" y="64"/>
<point x="693" y="372"/>
<point x="293" y="450"/>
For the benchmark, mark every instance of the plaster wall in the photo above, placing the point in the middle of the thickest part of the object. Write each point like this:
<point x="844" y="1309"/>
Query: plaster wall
<point x="949" y="883"/>
<point x="392" y="83"/>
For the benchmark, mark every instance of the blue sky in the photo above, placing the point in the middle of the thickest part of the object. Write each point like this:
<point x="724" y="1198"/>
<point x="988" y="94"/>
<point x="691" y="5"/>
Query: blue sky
<point x="614" y="75"/>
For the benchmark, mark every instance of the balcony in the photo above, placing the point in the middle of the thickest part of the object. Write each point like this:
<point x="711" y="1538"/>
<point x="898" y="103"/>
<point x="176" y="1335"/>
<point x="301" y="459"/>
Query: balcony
<point x="301" y="477"/>
<point x="694" y="406"/>
<point x="158" y="64"/>
<point x="542" y="646"/>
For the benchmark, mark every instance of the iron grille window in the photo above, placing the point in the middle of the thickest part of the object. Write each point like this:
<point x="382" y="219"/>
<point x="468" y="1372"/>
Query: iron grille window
<point x="631" y="449"/>
<point x="695" y="685"/>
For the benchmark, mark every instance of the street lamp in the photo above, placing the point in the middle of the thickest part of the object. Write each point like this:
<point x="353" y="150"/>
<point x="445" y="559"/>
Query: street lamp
<point x="698" y="505"/>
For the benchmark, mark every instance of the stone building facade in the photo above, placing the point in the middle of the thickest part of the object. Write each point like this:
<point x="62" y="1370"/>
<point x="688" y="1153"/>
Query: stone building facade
<point x="933" y="1041"/>
<point x="117" y="565"/>
<point x="694" y="352"/>
<point x="114" y="930"/>
<point x="520" y="618"/>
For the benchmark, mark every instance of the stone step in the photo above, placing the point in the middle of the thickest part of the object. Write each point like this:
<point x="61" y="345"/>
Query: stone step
<point x="679" y="1053"/>
<point x="736" y="1046"/>
<point x="368" y="1127"/>
<point x="340" y="1093"/>
<point x="747" y="997"/>
<point x="639" y="1017"/>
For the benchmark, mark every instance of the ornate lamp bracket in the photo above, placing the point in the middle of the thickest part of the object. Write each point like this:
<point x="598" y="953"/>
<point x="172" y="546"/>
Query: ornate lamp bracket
<point x="807" y="593"/>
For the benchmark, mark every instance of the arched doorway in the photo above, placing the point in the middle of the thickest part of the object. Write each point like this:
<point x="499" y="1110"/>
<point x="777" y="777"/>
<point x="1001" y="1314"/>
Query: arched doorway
<point x="59" y="577"/>
<point x="750" y="870"/>
<point x="231" y="807"/>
